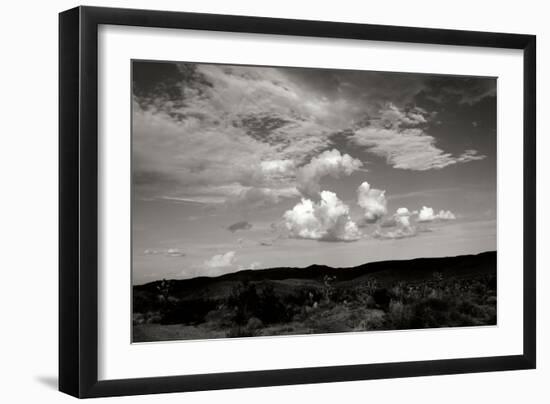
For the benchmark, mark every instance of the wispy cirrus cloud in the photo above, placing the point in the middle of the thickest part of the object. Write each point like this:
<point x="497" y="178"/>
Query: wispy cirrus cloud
<point x="198" y="199"/>
<point x="255" y="136"/>
<point x="254" y="197"/>
<point x="400" y="137"/>
<point x="459" y="90"/>
<point x="231" y="125"/>
<point x="169" y="252"/>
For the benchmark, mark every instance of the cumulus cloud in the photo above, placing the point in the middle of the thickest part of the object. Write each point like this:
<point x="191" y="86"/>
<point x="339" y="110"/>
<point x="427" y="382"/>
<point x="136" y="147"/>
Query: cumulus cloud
<point x="329" y="163"/>
<point x="403" y="212"/>
<point x="401" y="225"/>
<point x="326" y="220"/>
<point x="400" y="137"/>
<point x="242" y="225"/>
<point x="221" y="260"/>
<point x="402" y="217"/>
<point x="373" y="202"/>
<point x="405" y="223"/>
<point x="446" y="215"/>
<point x="427" y="214"/>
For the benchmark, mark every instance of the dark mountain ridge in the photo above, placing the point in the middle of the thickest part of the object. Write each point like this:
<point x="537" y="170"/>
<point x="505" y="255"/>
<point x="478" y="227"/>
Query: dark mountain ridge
<point x="409" y="270"/>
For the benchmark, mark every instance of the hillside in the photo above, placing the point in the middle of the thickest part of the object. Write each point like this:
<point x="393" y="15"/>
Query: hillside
<point x="417" y="293"/>
<point x="417" y="269"/>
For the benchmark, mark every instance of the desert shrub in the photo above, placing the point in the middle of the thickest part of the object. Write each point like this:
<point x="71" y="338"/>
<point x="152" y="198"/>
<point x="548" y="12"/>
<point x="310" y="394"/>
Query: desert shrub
<point x="138" y="318"/>
<point x="148" y="317"/>
<point x="362" y="325"/>
<point x="437" y="277"/>
<point x="400" y="316"/>
<point x="430" y="312"/>
<point x="251" y="329"/>
<point x="265" y="305"/>
<point x="382" y="297"/>
<point x="284" y="330"/>
<point x="437" y="304"/>
<point x="369" y="286"/>
<point x="458" y="319"/>
<point x="470" y="309"/>
<point x="342" y="294"/>
<point x="271" y="309"/>
<point x="369" y="302"/>
<point x="332" y="318"/>
<point x="143" y="302"/>
<point x="398" y="291"/>
<point x="244" y="299"/>
<point x="187" y="312"/>
<point x="305" y="296"/>
<point x="479" y="288"/>
<point x="152" y="317"/>
<point x="239" y="331"/>
<point x="254" y="323"/>
<point x="220" y="318"/>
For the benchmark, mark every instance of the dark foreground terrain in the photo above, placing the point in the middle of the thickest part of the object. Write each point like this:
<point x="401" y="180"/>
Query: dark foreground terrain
<point x="389" y="295"/>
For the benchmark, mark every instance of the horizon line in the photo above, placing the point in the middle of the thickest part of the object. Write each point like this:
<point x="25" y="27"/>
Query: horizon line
<point x="312" y="265"/>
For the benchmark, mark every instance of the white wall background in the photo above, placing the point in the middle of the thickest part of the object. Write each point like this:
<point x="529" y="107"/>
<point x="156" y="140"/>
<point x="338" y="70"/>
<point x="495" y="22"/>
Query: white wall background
<point x="28" y="201"/>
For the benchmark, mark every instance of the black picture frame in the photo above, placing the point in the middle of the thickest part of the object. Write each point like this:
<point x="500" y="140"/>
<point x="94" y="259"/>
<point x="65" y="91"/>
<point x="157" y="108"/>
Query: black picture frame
<point x="78" y="201"/>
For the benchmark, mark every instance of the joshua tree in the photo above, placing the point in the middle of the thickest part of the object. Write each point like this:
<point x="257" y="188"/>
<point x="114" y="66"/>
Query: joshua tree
<point x="164" y="289"/>
<point x="328" y="289"/>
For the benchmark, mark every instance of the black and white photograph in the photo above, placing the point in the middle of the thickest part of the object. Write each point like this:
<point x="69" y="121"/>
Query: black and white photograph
<point x="275" y="202"/>
<point x="287" y="201"/>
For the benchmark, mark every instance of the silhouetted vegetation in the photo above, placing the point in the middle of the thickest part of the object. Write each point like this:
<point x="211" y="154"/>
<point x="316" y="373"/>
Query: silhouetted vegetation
<point x="450" y="296"/>
<point x="264" y="305"/>
<point x="187" y="312"/>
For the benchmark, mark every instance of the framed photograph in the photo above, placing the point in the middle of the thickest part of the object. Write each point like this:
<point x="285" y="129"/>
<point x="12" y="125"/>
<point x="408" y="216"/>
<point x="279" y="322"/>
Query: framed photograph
<point x="251" y="201"/>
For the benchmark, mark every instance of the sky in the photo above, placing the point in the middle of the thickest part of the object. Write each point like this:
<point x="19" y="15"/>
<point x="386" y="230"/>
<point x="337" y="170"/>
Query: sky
<point x="251" y="167"/>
